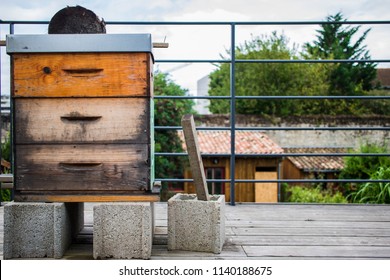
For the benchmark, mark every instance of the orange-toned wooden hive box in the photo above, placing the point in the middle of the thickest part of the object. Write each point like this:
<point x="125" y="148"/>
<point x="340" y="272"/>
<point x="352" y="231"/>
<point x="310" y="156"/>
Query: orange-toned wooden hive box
<point x="82" y="117"/>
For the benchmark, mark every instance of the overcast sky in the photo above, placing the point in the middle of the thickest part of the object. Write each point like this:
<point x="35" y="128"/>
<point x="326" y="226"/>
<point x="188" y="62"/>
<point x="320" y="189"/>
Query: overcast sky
<point x="205" y="42"/>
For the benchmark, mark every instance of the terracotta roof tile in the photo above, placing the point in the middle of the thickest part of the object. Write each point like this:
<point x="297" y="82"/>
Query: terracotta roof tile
<point x="317" y="163"/>
<point x="247" y="142"/>
<point x="383" y="76"/>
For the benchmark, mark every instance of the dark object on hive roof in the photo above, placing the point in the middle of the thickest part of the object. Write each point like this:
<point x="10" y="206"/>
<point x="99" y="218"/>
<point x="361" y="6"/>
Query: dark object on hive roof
<point x="76" y="20"/>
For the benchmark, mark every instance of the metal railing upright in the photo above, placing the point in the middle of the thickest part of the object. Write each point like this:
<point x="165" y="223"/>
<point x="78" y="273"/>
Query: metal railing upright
<point x="233" y="98"/>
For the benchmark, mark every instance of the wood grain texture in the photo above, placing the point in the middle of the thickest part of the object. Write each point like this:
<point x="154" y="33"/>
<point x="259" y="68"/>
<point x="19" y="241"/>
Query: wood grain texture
<point x="69" y="120"/>
<point x="266" y="192"/>
<point x="94" y="167"/>
<point x="81" y="75"/>
<point x="89" y="198"/>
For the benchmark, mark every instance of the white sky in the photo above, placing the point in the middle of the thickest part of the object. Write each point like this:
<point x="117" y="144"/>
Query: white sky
<point x="204" y="42"/>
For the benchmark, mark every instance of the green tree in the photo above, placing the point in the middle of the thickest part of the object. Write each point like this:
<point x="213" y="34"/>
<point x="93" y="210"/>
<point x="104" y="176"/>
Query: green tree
<point x="268" y="79"/>
<point x="168" y="112"/>
<point x="335" y="40"/>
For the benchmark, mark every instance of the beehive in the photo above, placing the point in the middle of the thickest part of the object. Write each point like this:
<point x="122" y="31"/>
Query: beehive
<point x="82" y="122"/>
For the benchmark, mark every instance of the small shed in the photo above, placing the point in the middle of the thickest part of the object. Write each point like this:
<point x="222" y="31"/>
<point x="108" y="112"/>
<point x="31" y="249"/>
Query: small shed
<point x="313" y="167"/>
<point x="257" y="157"/>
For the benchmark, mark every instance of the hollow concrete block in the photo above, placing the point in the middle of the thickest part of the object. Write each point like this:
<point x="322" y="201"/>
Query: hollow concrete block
<point x="123" y="230"/>
<point x="195" y="225"/>
<point x="39" y="230"/>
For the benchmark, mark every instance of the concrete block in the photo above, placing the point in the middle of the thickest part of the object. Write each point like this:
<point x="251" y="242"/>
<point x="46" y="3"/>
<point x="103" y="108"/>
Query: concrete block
<point x="39" y="230"/>
<point x="123" y="230"/>
<point x="196" y="225"/>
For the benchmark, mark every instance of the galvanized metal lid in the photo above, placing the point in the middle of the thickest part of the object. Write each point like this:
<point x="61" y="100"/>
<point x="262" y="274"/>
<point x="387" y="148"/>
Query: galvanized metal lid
<point x="64" y="43"/>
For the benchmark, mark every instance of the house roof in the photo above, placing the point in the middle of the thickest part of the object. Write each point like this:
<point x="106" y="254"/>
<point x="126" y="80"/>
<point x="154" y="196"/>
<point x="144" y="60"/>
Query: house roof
<point x="247" y="142"/>
<point x="317" y="163"/>
<point x="383" y="76"/>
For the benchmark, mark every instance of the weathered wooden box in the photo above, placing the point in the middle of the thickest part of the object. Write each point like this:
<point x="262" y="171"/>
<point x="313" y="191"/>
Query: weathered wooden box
<point x="82" y="117"/>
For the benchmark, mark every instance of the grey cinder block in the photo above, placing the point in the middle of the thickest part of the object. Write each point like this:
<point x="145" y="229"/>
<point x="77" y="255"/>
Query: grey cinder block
<point x="196" y="225"/>
<point x="123" y="230"/>
<point x="38" y="230"/>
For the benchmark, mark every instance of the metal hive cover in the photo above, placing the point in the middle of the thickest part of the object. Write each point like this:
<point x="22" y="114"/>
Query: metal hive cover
<point x="59" y="43"/>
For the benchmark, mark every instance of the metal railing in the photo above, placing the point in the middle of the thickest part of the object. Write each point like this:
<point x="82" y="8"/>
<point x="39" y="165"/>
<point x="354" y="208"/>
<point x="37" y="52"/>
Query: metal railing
<point x="233" y="61"/>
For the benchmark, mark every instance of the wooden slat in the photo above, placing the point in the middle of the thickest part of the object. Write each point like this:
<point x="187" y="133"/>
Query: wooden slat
<point x="81" y="75"/>
<point x="195" y="158"/>
<point x="8" y="186"/>
<point x="318" y="251"/>
<point x="6" y="178"/>
<point x="306" y="231"/>
<point x="303" y="224"/>
<point x="299" y="240"/>
<point x="65" y="120"/>
<point x="82" y="168"/>
<point x="90" y="198"/>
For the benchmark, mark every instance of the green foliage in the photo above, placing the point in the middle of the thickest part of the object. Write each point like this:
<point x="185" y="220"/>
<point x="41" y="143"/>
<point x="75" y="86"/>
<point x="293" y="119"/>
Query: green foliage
<point x="6" y="148"/>
<point x="268" y="79"/>
<point x="314" y="195"/>
<point x="335" y="40"/>
<point x="371" y="192"/>
<point x="168" y="112"/>
<point x="6" y="154"/>
<point x="364" y="167"/>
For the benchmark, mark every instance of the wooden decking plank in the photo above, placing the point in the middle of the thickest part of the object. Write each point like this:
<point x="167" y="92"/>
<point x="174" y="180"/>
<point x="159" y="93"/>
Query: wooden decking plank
<point x="275" y="232"/>
<point x="310" y="224"/>
<point x="228" y="251"/>
<point x="256" y="240"/>
<point x="312" y="231"/>
<point x="318" y="251"/>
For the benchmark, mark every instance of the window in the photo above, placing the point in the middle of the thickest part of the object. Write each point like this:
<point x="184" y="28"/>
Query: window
<point x="215" y="173"/>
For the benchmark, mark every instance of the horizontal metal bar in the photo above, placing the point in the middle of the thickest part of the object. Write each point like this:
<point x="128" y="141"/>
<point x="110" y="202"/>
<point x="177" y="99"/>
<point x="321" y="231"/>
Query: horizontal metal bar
<point x="274" y="97"/>
<point x="168" y="154"/>
<point x="278" y="180"/>
<point x="315" y="22"/>
<point x="280" y="128"/>
<point x="273" y="61"/>
<point x="181" y="128"/>
<point x="190" y="97"/>
<point x="312" y="60"/>
<point x="313" y="97"/>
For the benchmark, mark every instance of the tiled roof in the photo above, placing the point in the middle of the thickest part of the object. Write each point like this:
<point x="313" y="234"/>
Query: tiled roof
<point x="383" y="76"/>
<point x="317" y="163"/>
<point x="247" y="142"/>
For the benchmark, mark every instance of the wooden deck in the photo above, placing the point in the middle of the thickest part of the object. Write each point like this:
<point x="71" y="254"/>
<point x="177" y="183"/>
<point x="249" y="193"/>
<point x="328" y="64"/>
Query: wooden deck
<point x="275" y="231"/>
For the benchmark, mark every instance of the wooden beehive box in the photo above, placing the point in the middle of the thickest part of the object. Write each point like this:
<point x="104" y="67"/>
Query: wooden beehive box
<point x="82" y="117"/>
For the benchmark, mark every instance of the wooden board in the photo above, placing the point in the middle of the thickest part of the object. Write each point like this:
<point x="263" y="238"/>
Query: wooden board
<point x="82" y="168"/>
<point x="266" y="192"/>
<point x="81" y="75"/>
<point x="147" y="197"/>
<point x="69" y="120"/>
<point x="195" y="158"/>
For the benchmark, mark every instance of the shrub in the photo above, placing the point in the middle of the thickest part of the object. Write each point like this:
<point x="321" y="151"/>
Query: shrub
<point x="314" y="195"/>
<point x="6" y="154"/>
<point x="363" y="167"/>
